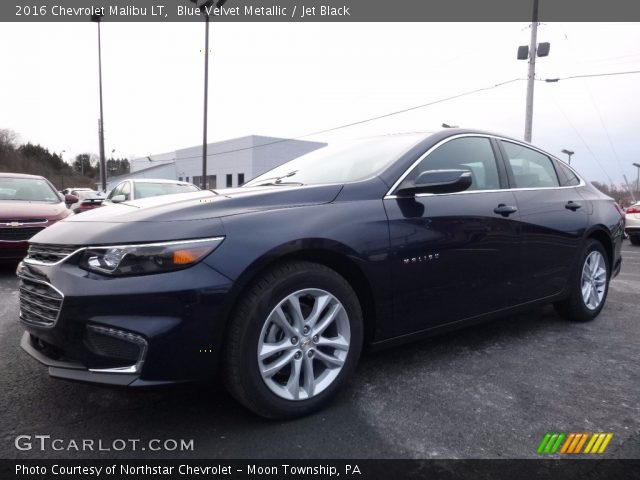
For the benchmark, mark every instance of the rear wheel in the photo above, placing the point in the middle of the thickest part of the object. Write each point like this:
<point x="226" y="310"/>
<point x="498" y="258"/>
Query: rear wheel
<point x="634" y="239"/>
<point x="589" y="285"/>
<point x="295" y="338"/>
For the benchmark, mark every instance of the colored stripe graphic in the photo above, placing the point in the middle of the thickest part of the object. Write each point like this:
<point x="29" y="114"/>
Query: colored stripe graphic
<point x="605" y="443"/>
<point x="573" y="443"/>
<point x="581" y="443"/>
<point x="543" y="443"/>
<point x="594" y="437"/>
<point x="567" y="443"/>
<point x="555" y="447"/>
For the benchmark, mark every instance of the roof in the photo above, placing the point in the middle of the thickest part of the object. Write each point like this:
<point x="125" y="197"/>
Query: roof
<point x="159" y="180"/>
<point x="20" y="175"/>
<point x="128" y="175"/>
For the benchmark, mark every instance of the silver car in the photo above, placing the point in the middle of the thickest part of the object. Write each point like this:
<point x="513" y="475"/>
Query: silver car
<point x="632" y="223"/>
<point x="133" y="189"/>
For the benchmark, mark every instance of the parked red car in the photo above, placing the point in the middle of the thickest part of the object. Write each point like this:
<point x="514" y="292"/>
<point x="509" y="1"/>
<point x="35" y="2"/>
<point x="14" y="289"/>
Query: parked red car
<point x="28" y="204"/>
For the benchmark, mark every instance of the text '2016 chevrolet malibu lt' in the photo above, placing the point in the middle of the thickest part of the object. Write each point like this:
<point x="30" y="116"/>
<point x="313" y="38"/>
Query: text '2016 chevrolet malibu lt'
<point x="281" y="283"/>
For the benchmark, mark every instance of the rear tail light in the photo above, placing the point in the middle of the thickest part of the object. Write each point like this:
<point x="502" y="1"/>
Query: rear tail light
<point x="634" y="209"/>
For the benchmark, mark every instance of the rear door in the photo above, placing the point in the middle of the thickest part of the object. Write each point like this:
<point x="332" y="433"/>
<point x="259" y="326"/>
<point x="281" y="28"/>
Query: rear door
<point x="553" y="219"/>
<point x="454" y="256"/>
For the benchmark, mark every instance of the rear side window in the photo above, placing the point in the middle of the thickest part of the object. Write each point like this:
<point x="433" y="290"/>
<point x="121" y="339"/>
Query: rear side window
<point x="531" y="169"/>
<point x="567" y="177"/>
<point x="469" y="153"/>
<point x="148" y="189"/>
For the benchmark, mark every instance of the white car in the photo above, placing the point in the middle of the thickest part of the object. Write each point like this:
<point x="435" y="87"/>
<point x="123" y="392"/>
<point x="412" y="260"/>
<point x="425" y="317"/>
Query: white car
<point x="133" y="189"/>
<point x="632" y="223"/>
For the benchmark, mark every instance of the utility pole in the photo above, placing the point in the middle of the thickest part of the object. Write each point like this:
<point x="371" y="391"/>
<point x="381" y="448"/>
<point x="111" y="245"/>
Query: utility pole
<point x="103" y="177"/>
<point x="532" y="73"/>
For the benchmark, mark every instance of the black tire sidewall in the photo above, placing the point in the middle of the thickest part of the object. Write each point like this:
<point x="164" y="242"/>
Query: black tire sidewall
<point x="264" y="400"/>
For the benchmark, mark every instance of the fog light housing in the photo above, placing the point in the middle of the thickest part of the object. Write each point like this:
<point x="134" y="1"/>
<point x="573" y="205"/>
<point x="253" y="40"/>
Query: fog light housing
<point x="119" y="345"/>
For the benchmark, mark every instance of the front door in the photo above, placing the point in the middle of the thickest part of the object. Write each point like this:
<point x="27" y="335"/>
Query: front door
<point x="454" y="256"/>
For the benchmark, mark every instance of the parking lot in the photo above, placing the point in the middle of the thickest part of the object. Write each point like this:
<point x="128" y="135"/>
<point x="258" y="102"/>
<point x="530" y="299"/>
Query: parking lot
<point x="490" y="391"/>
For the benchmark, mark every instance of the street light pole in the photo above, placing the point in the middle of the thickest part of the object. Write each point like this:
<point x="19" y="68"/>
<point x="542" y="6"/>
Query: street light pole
<point x="568" y="153"/>
<point x="528" y="122"/>
<point x="103" y="179"/>
<point x="206" y="102"/>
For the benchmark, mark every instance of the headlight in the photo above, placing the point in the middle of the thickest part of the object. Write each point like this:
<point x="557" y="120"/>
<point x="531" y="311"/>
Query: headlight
<point x="147" y="258"/>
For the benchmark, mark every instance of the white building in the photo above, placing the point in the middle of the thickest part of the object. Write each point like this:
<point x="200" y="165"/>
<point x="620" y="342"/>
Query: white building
<point x="230" y="163"/>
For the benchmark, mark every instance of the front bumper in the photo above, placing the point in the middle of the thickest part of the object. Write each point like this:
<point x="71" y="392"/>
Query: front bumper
<point x="135" y="331"/>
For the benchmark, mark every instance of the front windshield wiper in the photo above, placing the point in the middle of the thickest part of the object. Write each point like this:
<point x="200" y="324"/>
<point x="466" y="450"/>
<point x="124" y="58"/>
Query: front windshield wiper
<point x="278" y="180"/>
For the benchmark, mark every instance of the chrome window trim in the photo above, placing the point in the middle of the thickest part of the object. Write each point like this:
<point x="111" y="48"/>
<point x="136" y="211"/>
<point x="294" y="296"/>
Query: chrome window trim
<point x="391" y="195"/>
<point x="42" y="282"/>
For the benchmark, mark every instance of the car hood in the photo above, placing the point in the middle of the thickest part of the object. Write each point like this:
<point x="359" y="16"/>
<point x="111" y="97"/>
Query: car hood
<point x="179" y="216"/>
<point x="22" y="210"/>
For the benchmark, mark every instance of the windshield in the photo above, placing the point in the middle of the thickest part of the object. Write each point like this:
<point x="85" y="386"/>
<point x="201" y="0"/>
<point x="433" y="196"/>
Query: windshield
<point x="27" y="190"/>
<point x="341" y="162"/>
<point x="148" y="189"/>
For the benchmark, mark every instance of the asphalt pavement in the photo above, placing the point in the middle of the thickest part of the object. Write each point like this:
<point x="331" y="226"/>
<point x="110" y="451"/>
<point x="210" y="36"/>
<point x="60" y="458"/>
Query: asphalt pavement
<point x="489" y="391"/>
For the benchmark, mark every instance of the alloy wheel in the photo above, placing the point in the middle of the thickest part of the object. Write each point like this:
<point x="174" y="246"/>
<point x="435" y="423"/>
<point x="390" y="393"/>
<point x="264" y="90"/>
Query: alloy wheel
<point x="303" y="344"/>
<point x="594" y="280"/>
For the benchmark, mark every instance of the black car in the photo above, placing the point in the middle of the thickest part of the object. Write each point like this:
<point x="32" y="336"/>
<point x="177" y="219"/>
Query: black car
<point x="279" y="284"/>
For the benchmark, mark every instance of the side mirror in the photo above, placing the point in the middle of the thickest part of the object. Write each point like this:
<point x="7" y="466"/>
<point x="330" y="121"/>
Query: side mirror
<point x="436" y="181"/>
<point x="70" y="199"/>
<point x="118" y="199"/>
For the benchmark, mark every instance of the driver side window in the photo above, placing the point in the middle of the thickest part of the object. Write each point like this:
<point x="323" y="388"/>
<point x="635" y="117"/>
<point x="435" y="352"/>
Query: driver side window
<point x="473" y="154"/>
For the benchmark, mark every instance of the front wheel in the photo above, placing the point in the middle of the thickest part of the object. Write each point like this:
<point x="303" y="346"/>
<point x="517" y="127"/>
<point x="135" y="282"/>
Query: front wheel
<point x="293" y="341"/>
<point x="588" y="286"/>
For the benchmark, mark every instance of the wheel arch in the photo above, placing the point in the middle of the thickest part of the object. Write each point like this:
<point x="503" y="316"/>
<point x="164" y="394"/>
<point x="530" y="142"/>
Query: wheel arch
<point x="602" y="235"/>
<point x="332" y="255"/>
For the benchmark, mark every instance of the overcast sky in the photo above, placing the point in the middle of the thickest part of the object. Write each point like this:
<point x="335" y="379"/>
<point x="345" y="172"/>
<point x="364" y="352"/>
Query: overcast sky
<point x="289" y="79"/>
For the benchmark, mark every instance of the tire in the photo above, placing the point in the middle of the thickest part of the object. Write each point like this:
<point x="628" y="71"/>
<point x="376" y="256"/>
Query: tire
<point x="575" y="307"/>
<point x="331" y="354"/>
<point x="634" y="239"/>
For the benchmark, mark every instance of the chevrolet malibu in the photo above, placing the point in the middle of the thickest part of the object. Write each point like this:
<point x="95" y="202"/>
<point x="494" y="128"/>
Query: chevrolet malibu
<point x="28" y="204"/>
<point x="281" y="283"/>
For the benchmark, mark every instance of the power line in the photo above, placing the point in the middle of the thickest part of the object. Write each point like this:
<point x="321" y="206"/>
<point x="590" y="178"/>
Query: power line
<point x="581" y="138"/>
<point x="551" y="80"/>
<point x="366" y="120"/>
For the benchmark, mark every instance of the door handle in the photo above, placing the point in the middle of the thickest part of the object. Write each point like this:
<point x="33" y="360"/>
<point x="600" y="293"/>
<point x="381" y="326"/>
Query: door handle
<point x="505" y="210"/>
<point x="573" y="206"/>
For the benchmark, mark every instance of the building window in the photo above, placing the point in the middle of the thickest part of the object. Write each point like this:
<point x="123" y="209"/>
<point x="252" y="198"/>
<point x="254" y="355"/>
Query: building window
<point x="240" y="179"/>
<point x="186" y="179"/>
<point x="212" y="181"/>
<point x="179" y="179"/>
<point x="197" y="180"/>
<point x="229" y="180"/>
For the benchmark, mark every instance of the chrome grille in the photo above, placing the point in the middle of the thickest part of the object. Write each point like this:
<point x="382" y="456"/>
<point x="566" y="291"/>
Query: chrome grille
<point x="16" y="234"/>
<point x="50" y="253"/>
<point x="40" y="303"/>
<point x="23" y="221"/>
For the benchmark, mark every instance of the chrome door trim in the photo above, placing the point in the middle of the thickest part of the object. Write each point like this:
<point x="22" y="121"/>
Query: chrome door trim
<point x="390" y="195"/>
